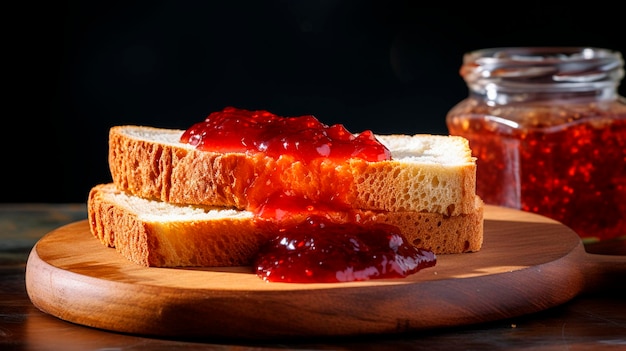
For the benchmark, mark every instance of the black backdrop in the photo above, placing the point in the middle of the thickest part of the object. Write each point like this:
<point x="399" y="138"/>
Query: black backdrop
<point x="76" y="68"/>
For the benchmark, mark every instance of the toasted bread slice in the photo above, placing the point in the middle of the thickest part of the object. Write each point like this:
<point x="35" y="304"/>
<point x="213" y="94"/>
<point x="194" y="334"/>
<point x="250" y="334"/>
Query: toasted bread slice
<point x="159" y="234"/>
<point x="435" y="174"/>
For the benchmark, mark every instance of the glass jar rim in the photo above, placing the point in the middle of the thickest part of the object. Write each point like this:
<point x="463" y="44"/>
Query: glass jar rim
<point x="540" y="54"/>
<point x="550" y="68"/>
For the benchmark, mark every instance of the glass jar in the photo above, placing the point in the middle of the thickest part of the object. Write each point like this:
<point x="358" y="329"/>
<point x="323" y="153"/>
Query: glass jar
<point x="548" y="128"/>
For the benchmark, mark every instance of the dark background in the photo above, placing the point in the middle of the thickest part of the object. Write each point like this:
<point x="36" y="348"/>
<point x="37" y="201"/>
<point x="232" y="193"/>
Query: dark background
<point x="76" y="68"/>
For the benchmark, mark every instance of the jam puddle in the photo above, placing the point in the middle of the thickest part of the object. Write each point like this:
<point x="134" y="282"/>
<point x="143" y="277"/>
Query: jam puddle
<point x="317" y="251"/>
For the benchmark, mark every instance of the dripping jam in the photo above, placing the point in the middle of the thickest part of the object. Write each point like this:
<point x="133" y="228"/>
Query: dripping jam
<point x="300" y="153"/>
<point x="315" y="249"/>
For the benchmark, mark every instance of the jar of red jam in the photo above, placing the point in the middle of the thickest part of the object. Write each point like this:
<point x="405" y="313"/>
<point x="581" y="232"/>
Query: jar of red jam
<point x="548" y="128"/>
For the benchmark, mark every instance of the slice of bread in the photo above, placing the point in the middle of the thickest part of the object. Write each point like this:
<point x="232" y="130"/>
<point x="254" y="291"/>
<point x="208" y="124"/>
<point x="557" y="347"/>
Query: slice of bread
<point x="435" y="174"/>
<point x="159" y="234"/>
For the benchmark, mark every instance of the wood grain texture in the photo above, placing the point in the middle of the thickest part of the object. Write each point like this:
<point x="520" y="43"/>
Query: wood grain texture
<point x="528" y="263"/>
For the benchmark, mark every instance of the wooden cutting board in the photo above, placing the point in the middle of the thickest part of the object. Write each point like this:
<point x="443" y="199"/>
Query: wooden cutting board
<point x="528" y="263"/>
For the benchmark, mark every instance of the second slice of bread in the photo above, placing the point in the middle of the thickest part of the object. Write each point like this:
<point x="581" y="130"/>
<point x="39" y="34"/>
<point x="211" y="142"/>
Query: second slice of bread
<point x="159" y="234"/>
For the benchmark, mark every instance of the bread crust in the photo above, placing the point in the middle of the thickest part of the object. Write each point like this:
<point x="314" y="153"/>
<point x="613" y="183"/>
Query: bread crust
<point x="135" y="228"/>
<point x="151" y="163"/>
<point x="227" y="241"/>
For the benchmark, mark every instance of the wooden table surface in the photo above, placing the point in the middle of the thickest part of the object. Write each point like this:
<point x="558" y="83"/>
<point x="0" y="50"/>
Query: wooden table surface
<point x="591" y="321"/>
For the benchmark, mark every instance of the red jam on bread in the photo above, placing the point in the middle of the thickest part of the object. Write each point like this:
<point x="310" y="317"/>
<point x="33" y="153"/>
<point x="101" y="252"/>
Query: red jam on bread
<point x="315" y="250"/>
<point x="305" y="138"/>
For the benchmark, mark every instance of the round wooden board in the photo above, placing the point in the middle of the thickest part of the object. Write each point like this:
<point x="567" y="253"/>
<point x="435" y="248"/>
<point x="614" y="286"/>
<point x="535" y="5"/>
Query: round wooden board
<point x="528" y="263"/>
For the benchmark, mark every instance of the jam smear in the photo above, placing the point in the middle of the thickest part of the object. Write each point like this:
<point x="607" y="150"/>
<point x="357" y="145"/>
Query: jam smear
<point x="318" y="251"/>
<point x="304" y="137"/>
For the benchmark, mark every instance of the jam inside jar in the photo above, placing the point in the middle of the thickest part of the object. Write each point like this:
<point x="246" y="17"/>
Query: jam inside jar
<point x="548" y="129"/>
